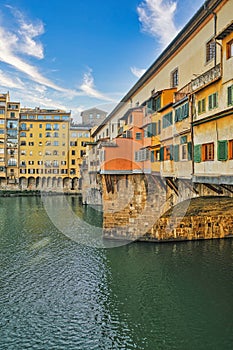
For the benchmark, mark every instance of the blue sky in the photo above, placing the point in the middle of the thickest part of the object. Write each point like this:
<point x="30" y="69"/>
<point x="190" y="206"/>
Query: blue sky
<point x="78" y="54"/>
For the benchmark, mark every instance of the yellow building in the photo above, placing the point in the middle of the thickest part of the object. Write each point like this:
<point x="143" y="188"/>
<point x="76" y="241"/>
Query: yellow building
<point x="44" y="149"/>
<point x="79" y="136"/>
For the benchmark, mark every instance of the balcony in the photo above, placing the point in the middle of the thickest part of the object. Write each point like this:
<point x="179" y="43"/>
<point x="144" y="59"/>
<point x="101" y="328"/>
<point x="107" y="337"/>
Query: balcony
<point x="206" y="78"/>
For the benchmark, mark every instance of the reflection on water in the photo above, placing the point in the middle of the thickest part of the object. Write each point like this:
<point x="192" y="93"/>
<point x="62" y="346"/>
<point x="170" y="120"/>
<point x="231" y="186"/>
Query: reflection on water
<point x="58" y="294"/>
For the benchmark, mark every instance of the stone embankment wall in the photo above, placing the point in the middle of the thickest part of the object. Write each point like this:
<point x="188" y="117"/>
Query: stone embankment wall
<point x="145" y="207"/>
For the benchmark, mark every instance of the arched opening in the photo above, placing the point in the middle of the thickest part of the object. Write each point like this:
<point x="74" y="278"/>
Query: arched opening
<point x="66" y="183"/>
<point x="49" y="182"/>
<point x="23" y="183"/>
<point x="38" y="182"/>
<point x="31" y="183"/>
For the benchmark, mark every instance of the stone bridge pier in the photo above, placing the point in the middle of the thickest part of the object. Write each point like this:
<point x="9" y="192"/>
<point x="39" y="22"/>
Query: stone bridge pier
<point x="151" y="208"/>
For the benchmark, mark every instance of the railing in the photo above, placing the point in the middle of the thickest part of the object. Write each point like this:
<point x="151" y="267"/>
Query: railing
<point x="206" y="78"/>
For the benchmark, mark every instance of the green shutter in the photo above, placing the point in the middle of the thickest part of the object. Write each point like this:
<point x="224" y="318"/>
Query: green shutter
<point x="152" y="156"/>
<point x="154" y="131"/>
<point x="190" y="151"/>
<point x="210" y="102"/>
<point x="222" y="150"/>
<point x="176" y="153"/>
<point x="230" y="95"/>
<point x="161" y="151"/>
<point x="197" y="153"/>
<point x="149" y="104"/>
<point x="199" y="107"/>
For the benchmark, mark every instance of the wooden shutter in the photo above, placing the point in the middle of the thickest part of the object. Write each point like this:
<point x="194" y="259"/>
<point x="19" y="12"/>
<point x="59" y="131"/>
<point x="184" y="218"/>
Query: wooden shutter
<point x="210" y="102"/>
<point x="197" y="153"/>
<point x="190" y="151"/>
<point x="154" y="129"/>
<point x="161" y="152"/>
<point x="176" y="153"/>
<point x="222" y="150"/>
<point x="230" y="95"/>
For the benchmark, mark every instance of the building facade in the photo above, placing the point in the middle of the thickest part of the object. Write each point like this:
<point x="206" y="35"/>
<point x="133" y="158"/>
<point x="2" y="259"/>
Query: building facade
<point x="40" y="148"/>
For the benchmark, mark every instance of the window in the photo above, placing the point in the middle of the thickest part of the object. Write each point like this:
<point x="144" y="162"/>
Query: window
<point x="73" y="143"/>
<point x="2" y="122"/>
<point x="184" y="152"/>
<point x="41" y="117"/>
<point x="213" y="101"/>
<point x="201" y="106"/>
<point x="23" y="153"/>
<point x="73" y="161"/>
<point x="174" y="78"/>
<point x="31" y="171"/>
<point x="181" y="112"/>
<point x="31" y="135"/>
<point x="90" y="116"/>
<point x="229" y="49"/>
<point x="40" y="162"/>
<point x="40" y="126"/>
<point x="73" y="153"/>
<point x="230" y="95"/>
<point x="32" y="117"/>
<point x="23" y="117"/>
<point x="22" y="163"/>
<point x="167" y="120"/>
<point x="12" y="114"/>
<point x="56" y="117"/>
<point x="55" y="143"/>
<point x="23" y="126"/>
<point x="31" y="162"/>
<point x="55" y="134"/>
<point x="2" y="111"/>
<point x="31" y="143"/>
<point x="138" y="136"/>
<point x="31" y="126"/>
<point x="56" y="126"/>
<point x="63" y="126"/>
<point x="210" y="50"/>
<point x="48" y="134"/>
<point x="40" y="136"/>
<point x="73" y="134"/>
<point x="55" y="163"/>
<point x="2" y="131"/>
<point x="65" y="117"/>
<point x="48" y="143"/>
<point x="48" y="127"/>
<point x="208" y="151"/>
<point x="63" y="162"/>
<point x="23" y="143"/>
<point x="12" y="162"/>
<point x="167" y="153"/>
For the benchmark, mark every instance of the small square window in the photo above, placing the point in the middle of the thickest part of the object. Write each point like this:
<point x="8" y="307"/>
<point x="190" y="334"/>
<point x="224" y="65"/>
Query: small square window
<point x="175" y="78"/>
<point x="229" y="49"/>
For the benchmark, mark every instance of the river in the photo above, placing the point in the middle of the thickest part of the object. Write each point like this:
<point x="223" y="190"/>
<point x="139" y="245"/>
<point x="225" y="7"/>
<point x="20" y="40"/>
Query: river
<point x="58" y="293"/>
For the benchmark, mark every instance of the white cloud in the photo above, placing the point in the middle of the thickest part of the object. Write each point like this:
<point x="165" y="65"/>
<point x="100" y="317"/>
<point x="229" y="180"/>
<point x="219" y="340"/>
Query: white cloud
<point x="88" y="87"/>
<point x="138" y="72"/>
<point x="157" y="19"/>
<point x="7" y="81"/>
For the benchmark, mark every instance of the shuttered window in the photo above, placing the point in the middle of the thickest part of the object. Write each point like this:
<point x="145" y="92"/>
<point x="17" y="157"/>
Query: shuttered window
<point x="182" y="112"/>
<point x="222" y="150"/>
<point x="201" y="106"/>
<point x="213" y="101"/>
<point x="208" y="151"/>
<point x="167" y="120"/>
<point x="197" y="153"/>
<point x="230" y="95"/>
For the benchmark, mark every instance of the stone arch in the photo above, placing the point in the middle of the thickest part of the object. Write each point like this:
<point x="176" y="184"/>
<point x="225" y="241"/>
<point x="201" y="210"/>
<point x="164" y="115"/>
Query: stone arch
<point x="38" y="182"/>
<point x="49" y="182"/>
<point x="44" y="182"/>
<point x="59" y="183"/>
<point x="23" y="183"/>
<point x="31" y="183"/>
<point x="75" y="184"/>
<point x="66" y="183"/>
<point x="54" y="182"/>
